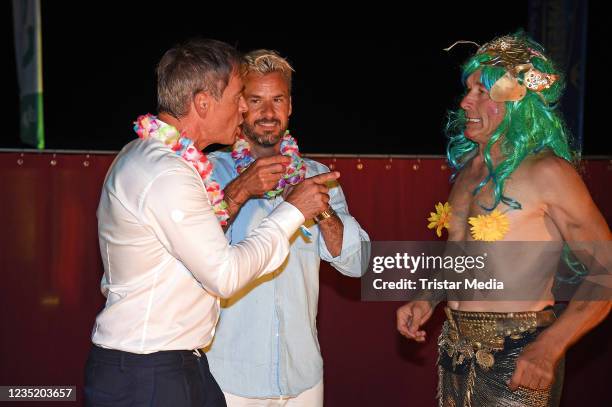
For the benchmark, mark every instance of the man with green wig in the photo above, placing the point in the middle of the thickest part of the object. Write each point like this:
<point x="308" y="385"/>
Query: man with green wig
<point x="514" y="181"/>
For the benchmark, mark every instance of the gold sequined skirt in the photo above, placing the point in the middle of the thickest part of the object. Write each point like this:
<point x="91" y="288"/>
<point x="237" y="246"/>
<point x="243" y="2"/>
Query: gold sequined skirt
<point x="477" y="357"/>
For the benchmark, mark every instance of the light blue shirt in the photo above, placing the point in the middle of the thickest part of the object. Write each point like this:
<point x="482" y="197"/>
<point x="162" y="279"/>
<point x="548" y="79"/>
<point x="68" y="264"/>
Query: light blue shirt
<point x="266" y="342"/>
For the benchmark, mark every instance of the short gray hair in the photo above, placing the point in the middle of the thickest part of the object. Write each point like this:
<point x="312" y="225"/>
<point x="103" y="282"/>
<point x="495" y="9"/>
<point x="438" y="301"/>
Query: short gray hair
<point x="195" y="66"/>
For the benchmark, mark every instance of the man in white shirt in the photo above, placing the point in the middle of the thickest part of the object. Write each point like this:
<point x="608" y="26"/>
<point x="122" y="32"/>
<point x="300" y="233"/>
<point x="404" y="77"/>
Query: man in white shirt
<point x="166" y="259"/>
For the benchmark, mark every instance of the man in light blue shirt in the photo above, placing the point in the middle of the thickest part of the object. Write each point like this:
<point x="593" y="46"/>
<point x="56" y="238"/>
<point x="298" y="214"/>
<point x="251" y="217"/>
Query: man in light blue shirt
<point x="266" y="345"/>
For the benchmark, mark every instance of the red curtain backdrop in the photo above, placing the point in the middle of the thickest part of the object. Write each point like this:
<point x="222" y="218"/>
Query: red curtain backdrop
<point x="50" y="271"/>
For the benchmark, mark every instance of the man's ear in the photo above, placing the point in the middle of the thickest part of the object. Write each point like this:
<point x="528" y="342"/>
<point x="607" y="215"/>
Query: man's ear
<point x="202" y="103"/>
<point x="290" y="106"/>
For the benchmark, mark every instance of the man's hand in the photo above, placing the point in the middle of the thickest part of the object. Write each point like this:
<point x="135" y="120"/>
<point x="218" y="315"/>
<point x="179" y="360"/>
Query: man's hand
<point x="310" y="196"/>
<point x="261" y="176"/>
<point x="411" y="317"/>
<point x="535" y="366"/>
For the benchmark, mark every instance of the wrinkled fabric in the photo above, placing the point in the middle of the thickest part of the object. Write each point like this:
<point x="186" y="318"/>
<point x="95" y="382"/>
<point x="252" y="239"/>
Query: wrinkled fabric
<point x="468" y="384"/>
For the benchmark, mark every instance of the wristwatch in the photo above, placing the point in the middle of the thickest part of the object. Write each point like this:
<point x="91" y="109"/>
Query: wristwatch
<point x="327" y="213"/>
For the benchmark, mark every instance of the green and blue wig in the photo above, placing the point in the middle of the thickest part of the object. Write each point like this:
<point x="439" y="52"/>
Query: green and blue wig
<point x="529" y="126"/>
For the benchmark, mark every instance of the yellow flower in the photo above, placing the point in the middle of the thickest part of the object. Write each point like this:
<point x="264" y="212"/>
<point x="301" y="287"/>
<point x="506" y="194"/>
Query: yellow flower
<point x="489" y="228"/>
<point x="439" y="219"/>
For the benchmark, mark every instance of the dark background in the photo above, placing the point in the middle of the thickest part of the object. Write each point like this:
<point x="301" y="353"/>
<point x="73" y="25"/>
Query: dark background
<point x="371" y="80"/>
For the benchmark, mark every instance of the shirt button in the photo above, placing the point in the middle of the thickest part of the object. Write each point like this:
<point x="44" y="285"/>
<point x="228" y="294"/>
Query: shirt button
<point x="177" y="215"/>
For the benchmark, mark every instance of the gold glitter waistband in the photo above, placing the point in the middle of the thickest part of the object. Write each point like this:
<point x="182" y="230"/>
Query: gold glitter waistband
<point x="482" y="326"/>
<point x="469" y="334"/>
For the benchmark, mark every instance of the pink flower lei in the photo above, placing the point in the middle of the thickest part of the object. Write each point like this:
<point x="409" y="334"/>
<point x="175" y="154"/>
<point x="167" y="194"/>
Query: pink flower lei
<point x="148" y="126"/>
<point x="294" y="173"/>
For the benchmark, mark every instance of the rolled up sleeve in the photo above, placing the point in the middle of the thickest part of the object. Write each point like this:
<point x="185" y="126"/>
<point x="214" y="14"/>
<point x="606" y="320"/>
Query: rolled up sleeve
<point x="355" y="253"/>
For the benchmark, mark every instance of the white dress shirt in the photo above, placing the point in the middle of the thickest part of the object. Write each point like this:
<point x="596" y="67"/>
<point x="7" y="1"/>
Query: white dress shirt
<point x="166" y="259"/>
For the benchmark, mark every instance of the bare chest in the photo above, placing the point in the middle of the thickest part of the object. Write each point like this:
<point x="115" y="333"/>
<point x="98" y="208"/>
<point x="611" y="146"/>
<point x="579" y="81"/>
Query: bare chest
<point x="470" y="210"/>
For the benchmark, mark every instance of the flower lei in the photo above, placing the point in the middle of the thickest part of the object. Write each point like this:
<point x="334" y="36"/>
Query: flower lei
<point x="148" y="126"/>
<point x="487" y="228"/>
<point x="294" y="173"/>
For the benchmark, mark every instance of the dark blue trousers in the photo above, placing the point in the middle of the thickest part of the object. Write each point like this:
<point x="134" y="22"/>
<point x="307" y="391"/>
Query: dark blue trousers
<point x="176" y="378"/>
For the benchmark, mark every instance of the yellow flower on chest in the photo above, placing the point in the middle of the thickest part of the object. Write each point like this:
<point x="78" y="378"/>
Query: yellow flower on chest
<point x="440" y="219"/>
<point x="489" y="228"/>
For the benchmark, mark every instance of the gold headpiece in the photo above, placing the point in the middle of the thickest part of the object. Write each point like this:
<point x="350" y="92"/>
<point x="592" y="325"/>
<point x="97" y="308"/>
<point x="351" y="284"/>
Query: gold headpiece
<point x="514" y="54"/>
